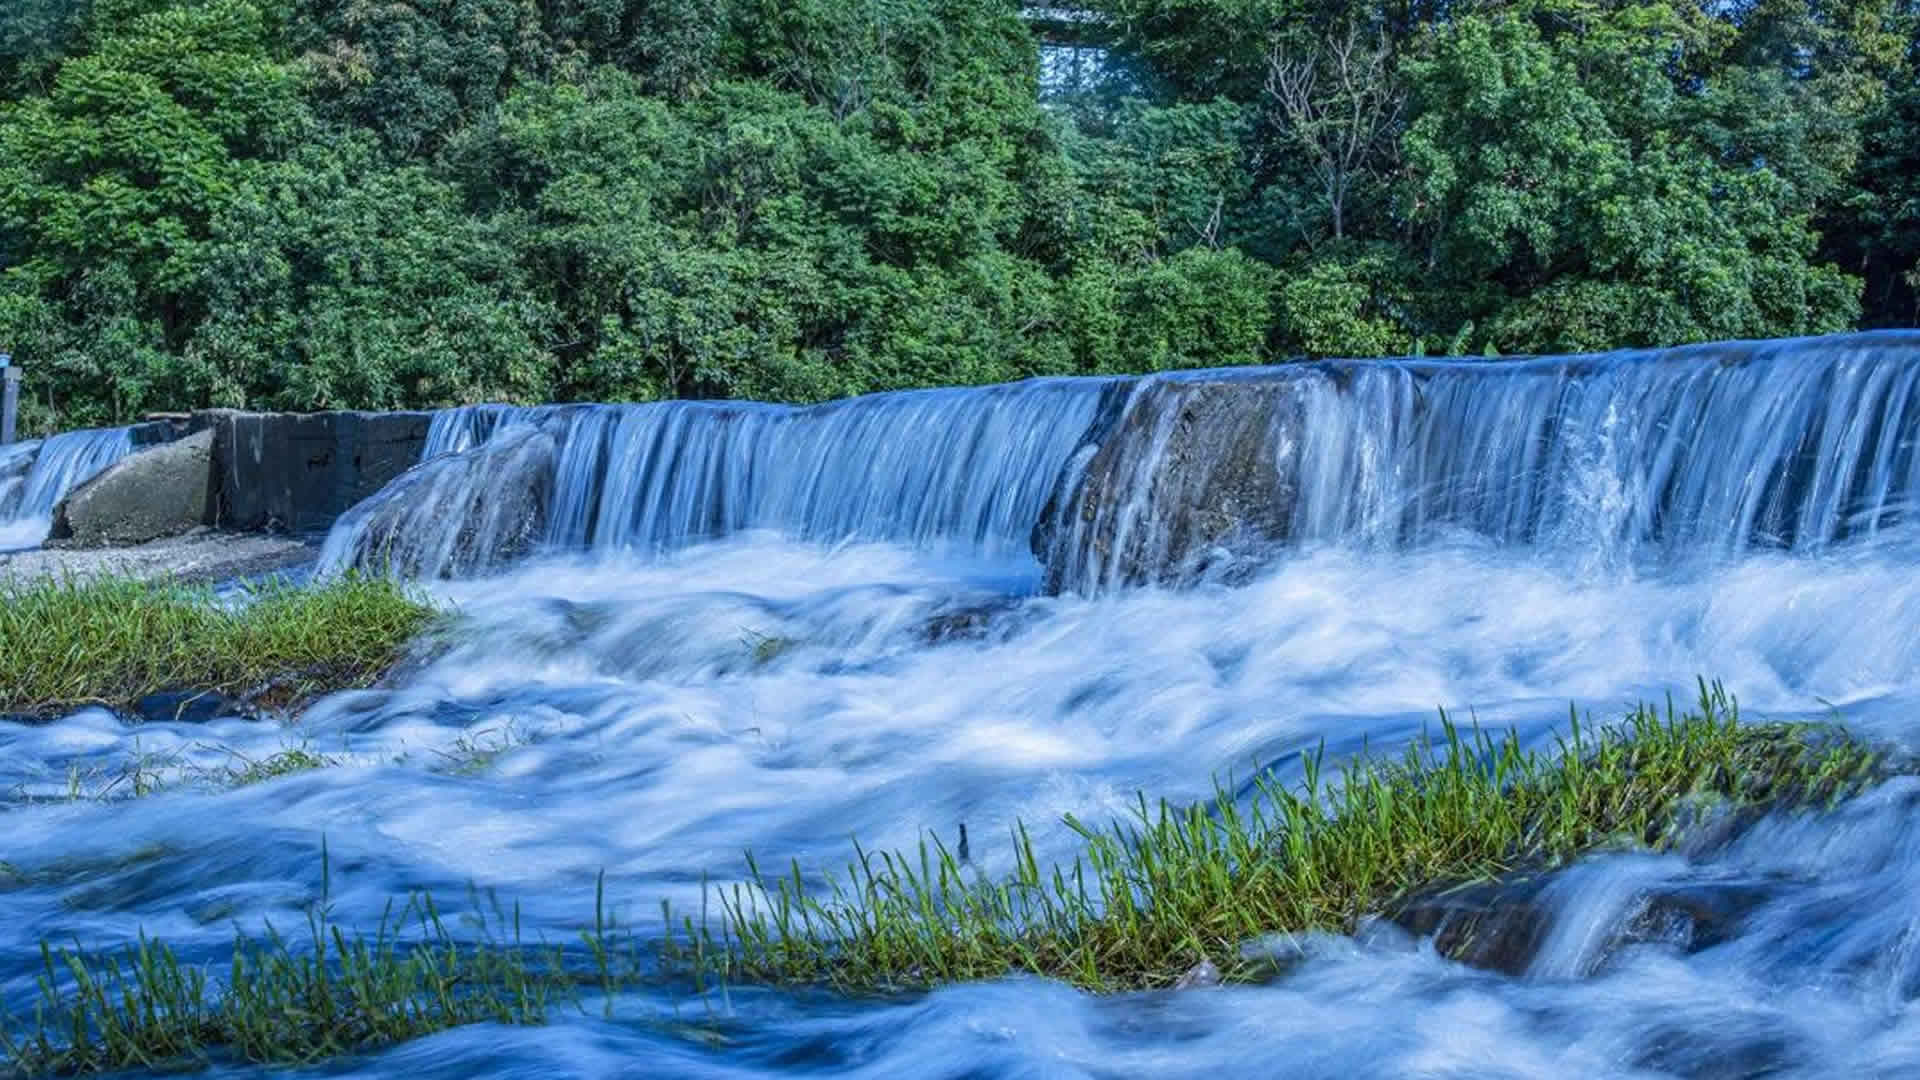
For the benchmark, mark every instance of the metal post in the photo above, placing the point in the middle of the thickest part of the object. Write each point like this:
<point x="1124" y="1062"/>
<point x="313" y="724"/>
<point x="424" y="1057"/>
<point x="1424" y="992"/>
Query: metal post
<point x="9" y="398"/>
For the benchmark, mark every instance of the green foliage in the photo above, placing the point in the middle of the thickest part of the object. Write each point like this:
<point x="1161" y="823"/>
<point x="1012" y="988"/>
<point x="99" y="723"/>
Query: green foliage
<point x="341" y="281"/>
<point x="111" y="641"/>
<point x="320" y="203"/>
<point x="110" y="185"/>
<point x="410" y="71"/>
<point x="1342" y="305"/>
<point x="1206" y="49"/>
<point x="34" y="34"/>
<point x="1199" y="308"/>
<point x="1877" y="231"/>
<point x="1584" y="236"/>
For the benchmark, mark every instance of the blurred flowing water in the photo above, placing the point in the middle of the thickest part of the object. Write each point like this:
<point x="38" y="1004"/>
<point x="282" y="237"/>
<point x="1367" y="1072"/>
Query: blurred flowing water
<point x="36" y="475"/>
<point x="772" y="629"/>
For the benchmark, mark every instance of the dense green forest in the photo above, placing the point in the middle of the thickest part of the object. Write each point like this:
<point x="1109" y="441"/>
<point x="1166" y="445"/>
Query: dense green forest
<point x="383" y="203"/>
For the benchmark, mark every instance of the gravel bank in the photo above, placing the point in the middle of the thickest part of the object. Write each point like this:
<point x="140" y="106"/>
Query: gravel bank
<point x="203" y="555"/>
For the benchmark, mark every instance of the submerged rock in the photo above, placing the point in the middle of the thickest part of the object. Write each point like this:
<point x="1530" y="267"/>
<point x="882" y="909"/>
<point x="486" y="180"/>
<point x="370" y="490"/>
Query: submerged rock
<point x="1196" y="474"/>
<point x="455" y="515"/>
<point x="187" y="707"/>
<point x="1503" y="925"/>
<point x="971" y="622"/>
<point x="149" y="495"/>
<point x="1199" y="977"/>
<point x="1498" y="926"/>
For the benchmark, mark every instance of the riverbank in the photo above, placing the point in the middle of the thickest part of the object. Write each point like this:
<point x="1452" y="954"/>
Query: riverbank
<point x="202" y="556"/>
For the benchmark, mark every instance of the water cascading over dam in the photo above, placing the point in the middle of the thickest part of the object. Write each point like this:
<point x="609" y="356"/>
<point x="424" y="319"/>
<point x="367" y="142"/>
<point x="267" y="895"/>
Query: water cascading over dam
<point x="1647" y="454"/>
<point x="970" y="466"/>
<point x="35" y="476"/>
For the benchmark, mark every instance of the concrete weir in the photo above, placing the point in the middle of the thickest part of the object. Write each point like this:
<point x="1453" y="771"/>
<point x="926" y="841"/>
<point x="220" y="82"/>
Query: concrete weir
<point x="1638" y="457"/>
<point x="297" y="472"/>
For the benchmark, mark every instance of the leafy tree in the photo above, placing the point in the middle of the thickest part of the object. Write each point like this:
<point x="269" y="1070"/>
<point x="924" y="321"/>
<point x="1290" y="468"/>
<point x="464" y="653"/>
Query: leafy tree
<point x="413" y="71"/>
<point x="34" y="35"/>
<point x="312" y="203"/>
<point x="1588" y="238"/>
<point x="1878" y="228"/>
<point x="340" y="281"/>
<point x="110" y="182"/>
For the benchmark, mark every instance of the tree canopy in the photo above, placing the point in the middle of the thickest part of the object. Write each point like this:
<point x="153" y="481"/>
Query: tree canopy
<point x="349" y="203"/>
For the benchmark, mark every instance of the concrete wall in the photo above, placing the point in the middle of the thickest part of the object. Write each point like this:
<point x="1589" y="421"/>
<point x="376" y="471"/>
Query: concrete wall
<point x="154" y="432"/>
<point x="296" y="472"/>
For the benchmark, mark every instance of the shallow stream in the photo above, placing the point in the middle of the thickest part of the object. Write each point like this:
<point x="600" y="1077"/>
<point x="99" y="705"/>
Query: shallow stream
<point x="653" y="714"/>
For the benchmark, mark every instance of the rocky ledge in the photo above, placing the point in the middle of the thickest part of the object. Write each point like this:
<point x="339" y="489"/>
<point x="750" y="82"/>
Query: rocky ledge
<point x="198" y="556"/>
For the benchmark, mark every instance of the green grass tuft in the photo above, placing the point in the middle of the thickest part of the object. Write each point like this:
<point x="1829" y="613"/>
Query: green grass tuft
<point x="1178" y="885"/>
<point x="282" y="1001"/>
<point x="297" y="759"/>
<point x="112" y="642"/>
<point x="1146" y="901"/>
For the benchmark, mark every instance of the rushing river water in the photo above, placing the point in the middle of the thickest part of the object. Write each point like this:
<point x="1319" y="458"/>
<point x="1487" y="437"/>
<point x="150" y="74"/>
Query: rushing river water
<point x="764" y="678"/>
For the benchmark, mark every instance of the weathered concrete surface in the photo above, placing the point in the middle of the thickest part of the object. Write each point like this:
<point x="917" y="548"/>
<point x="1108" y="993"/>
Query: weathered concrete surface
<point x="202" y="555"/>
<point x="1194" y="473"/>
<point x="163" y="491"/>
<point x="276" y="472"/>
<point x="297" y="472"/>
<point x="154" y="432"/>
<point x="498" y="494"/>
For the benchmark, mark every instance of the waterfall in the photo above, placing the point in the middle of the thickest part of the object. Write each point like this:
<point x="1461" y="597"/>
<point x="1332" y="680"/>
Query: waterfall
<point x="454" y="430"/>
<point x="972" y="466"/>
<point x="16" y="460"/>
<point x="1639" y="455"/>
<point x="1789" y="444"/>
<point x="1795" y="445"/>
<point x="30" y="492"/>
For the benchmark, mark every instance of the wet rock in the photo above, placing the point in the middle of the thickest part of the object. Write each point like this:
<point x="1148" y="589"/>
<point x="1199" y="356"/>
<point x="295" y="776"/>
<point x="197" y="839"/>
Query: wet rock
<point x="499" y="493"/>
<point x="186" y="707"/>
<point x="161" y="492"/>
<point x="1497" y="926"/>
<point x="1501" y="926"/>
<point x="1197" y="476"/>
<point x="1697" y="916"/>
<point x="1199" y="977"/>
<point x="971" y="623"/>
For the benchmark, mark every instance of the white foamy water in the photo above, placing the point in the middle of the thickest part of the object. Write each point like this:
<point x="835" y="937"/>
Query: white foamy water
<point x="779" y="630"/>
<point x="656" y="734"/>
